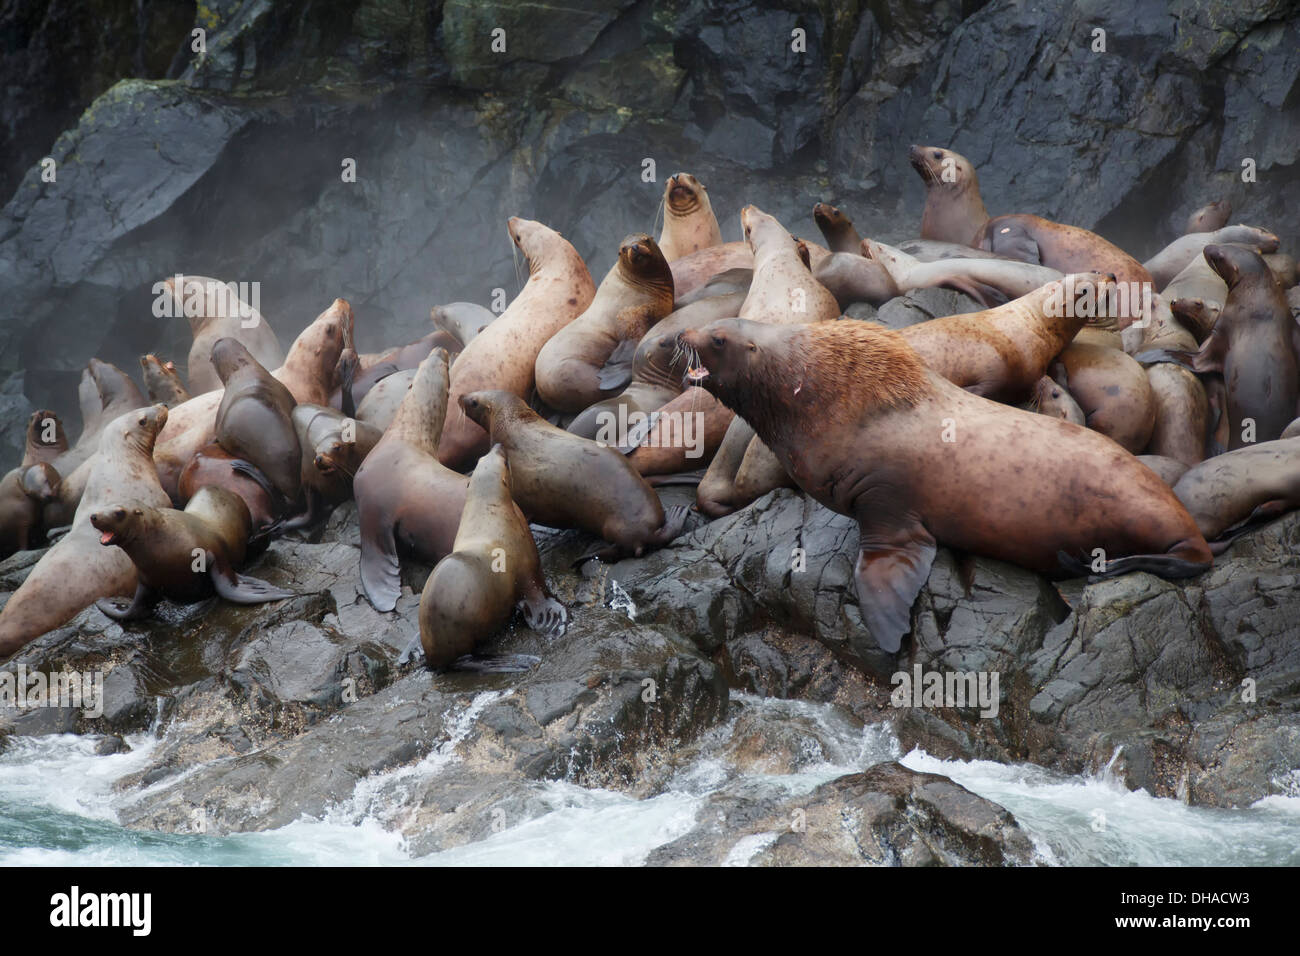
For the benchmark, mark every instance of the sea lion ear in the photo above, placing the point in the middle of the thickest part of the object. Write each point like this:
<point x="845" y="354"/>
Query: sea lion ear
<point x="138" y="511"/>
<point x="753" y="347"/>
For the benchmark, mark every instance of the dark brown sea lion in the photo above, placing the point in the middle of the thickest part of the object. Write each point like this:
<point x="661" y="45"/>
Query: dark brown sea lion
<point x="1253" y="345"/>
<point x="689" y="222"/>
<point x="46" y="440"/>
<point x="184" y="556"/>
<point x="1211" y="216"/>
<point x="310" y="372"/>
<point x="24" y="493"/>
<point x="864" y="435"/>
<point x="492" y="569"/>
<point x="76" y="570"/>
<point x="215" y="311"/>
<point x="333" y="448"/>
<point x="563" y="481"/>
<point x="1175" y="257"/>
<point x="212" y="465"/>
<point x="504" y="355"/>
<point x="590" y="358"/>
<point x="163" y="382"/>
<point x="255" y="418"/>
<point x="1237" y="491"/>
<point x="837" y="229"/>
<point x="464" y="320"/>
<point x="407" y="501"/>
<point x="1112" y="389"/>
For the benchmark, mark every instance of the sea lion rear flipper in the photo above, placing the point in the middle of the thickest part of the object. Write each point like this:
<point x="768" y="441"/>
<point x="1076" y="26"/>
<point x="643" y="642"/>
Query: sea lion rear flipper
<point x="674" y="523"/>
<point x="1015" y="242"/>
<point x="249" y="470"/>
<point x="985" y="295"/>
<point x="140" y="605"/>
<point x="54" y="534"/>
<point x="617" y="370"/>
<point x="544" y="614"/>
<point x="495" y="663"/>
<point x="639" y="433"/>
<point x="889" y="576"/>
<point x="241" y="589"/>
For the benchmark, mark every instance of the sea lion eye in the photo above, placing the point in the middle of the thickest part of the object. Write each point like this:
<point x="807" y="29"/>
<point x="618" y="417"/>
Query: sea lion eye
<point x="753" y="347"/>
<point x="144" y="421"/>
<point x="719" y="341"/>
<point x="938" y="154"/>
<point x="119" y="513"/>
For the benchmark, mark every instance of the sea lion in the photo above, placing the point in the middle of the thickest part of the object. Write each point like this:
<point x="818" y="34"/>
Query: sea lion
<point x="45" y="439"/>
<point x="184" y="556"/>
<point x="852" y="277"/>
<point x="563" y="481"/>
<point x="333" y="448"/>
<point x="1196" y="316"/>
<point x="464" y="320"/>
<point x="24" y="493"/>
<point x="213" y="465"/>
<point x="372" y="368"/>
<point x="863" y="435"/>
<point x="694" y="270"/>
<point x="683" y="437"/>
<point x="1211" y="216"/>
<point x="1173" y="258"/>
<point x="1237" y="491"/>
<point x="954" y="210"/>
<point x="724" y="283"/>
<point x="106" y="393"/>
<point x="310" y="373"/>
<point x="407" y="501"/>
<point x="1253" y="345"/>
<point x="590" y="358"/>
<point x="1292" y="430"/>
<point x="718" y="493"/>
<point x="689" y="222"/>
<point x="837" y="229"/>
<point x="492" y="569"/>
<point x="1283" y="268"/>
<point x="163" y="382"/>
<point x="504" y="355"/>
<point x="934" y="250"/>
<point x="381" y="402"/>
<point x="1181" y="414"/>
<point x="215" y="311"/>
<point x="988" y="281"/>
<point x="1112" y="389"/>
<point x="1169" y="469"/>
<point x="783" y="289"/>
<point x="255" y="418"/>
<point x="1162" y="330"/>
<point x="76" y="570"/>
<point x="658" y="365"/>
<point x="1054" y="400"/>
<point x="1197" y="281"/>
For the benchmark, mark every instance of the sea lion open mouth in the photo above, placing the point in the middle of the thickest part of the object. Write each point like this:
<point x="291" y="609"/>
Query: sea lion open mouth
<point x="108" y="538"/>
<point x="697" y="374"/>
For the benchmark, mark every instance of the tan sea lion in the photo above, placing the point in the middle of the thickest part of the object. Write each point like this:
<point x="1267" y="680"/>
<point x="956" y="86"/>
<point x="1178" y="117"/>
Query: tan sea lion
<point x="864" y="436"/>
<point x="1211" y="216"/>
<point x="590" y="358"/>
<point x="106" y="393"/>
<point x="694" y="270"/>
<point x="783" y="289"/>
<point x="76" y="570"/>
<point x="837" y="229"/>
<point x="1112" y="389"/>
<point x="991" y="281"/>
<point x="504" y="355"/>
<point x="684" y="437"/>
<point x="163" y="382"/>
<point x="1175" y="257"/>
<point x="1253" y="346"/>
<point x="310" y="373"/>
<point x="408" y="503"/>
<point x="1054" y="400"/>
<point x="851" y="277"/>
<point x="492" y="569"/>
<point x="464" y="320"/>
<point x="1168" y="469"/>
<point x="215" y="311"/>
<point x="563" y="481"/>
<point x="184" y="556"/>
<point x="1181" y="414"/>
<point x="380" y="405"/>
<point x="1237" y="491"/>
<point x="954" y="209"/>
<point x="689" y="222"/>
<point x="255" y="418"/>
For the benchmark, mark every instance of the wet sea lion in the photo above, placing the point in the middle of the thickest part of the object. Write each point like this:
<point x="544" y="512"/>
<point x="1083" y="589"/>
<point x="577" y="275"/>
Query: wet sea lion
<point x="590" y="358"/>
<point x="563" y="481"/>
<point x="689" y="222"/>
<point x="492" y="569"/>
<point x="310" y="373"/>
<point x="837" y="229"/>
<point x="1253" y="345"/>
<point x="333" y="448"/>
<point x="76" y="570"/>
<point x="1211" y="216"/>
<point x="24" y="493"/>
<point x="1174" y="258"/>
<point x="381" y="402"/>
<point x="852" y="277"/>
<point x="694" y="270"/>
<point x="255" y="418"/>
<point x="464" y="320"/>
<point x="215" y="311"/>
<point x="184" y="556"/>
<point x="407" y="501"/>
<point x="1237" y="491"/>
<point x="988" y="281"/>
<point x="213" y="465"/>
<point x="504" y="355"/>
<point x="1181" y="414"/>
<point x="1112" y="389"/>
<point x="163" y="382"/>
<point x="863" y="436"/>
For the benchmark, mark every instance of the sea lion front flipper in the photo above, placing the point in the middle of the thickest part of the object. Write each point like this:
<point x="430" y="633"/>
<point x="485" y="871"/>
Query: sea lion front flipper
<point x="674" y="523"/>
<point x="495" y="663"/>
<point x="54" y="534"/>
<point x="893" y="565"/>
<point x="140" y="605"/>
<point x="349" y="362"/>
<point x="381" y="572"/>
<point x="543" y="613"/>
<point x="241" y="466"/>
<point x="617" y="371"/>
<point x="639" y="433"/>
<point x="414" y="650"/>
<point x="1015" y="242"/>
<point x="239" y="588"/>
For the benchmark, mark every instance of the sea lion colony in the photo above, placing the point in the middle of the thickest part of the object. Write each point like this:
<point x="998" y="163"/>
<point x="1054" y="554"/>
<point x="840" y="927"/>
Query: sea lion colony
<point x="1100" y="416"/>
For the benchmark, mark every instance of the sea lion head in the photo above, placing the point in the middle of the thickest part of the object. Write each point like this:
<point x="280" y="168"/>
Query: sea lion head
<point x="1213" y="215"/>
<point x="719" y="355"/>
<point x="760" y="228"/>
<point x="138" y="428"/>
<point x="489" y="406"/>
<point x="641" y="262"/>
<point x="45" y="433"/>
<point x="492" y="473"/>
<point x="942" y="168"/>
<point x="830" y="219"/>
<point x="117" y="524"/>
<point x="1235" y="262"/>
<point x="530" y="237"/>
<point x="1052" y="399"/>
<point x="684" y="194"/>
<point x="41" y="482"/>
<point x="111" y="381"/>
<point x="229" y="355"/>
